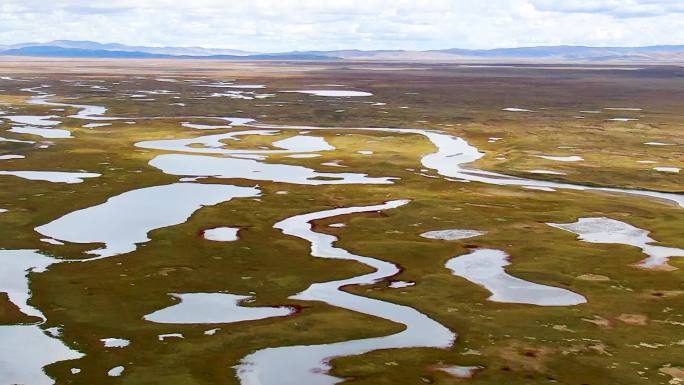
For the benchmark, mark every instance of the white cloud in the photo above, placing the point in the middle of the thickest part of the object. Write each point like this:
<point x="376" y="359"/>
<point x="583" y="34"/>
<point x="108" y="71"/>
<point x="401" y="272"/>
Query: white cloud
<point x="283" y="25"/>
<point x="616" y="8"/>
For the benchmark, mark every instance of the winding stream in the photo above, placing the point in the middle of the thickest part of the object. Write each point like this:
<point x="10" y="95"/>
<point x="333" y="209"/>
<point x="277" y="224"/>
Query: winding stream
<point x="300" y="364"/>
<point x="308" y="364"/>
<point x="449" y="160"/>
<point x="454" y="152"/>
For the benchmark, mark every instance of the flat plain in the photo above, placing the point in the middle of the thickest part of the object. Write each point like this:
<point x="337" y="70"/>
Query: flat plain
<point x="206" y="222"/>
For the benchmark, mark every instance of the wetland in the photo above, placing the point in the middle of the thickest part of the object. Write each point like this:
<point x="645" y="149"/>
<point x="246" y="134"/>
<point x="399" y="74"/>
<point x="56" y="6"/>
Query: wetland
<point x="312" y="223"/>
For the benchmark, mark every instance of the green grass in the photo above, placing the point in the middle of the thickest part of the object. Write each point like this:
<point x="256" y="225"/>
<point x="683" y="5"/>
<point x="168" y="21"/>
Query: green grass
<point x="516" y="344"/>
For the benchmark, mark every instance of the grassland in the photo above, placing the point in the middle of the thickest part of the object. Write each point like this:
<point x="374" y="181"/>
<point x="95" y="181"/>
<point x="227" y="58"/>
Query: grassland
<point x="629" y="332"/>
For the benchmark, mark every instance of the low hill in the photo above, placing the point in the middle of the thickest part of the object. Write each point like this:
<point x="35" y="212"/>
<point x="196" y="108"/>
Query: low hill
<point x="540" y="54"/>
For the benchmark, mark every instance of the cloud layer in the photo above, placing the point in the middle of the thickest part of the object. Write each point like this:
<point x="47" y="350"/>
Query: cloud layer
<point x="284" y="25"/>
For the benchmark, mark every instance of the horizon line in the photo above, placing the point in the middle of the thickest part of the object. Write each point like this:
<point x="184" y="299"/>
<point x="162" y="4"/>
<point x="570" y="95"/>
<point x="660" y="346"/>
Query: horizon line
<point x="348" y="49"/>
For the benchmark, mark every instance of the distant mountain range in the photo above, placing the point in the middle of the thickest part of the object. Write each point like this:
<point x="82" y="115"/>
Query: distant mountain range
<point x="550" y="54"/>
<point x="89" y="49"/>
<point x="114" y="48"/>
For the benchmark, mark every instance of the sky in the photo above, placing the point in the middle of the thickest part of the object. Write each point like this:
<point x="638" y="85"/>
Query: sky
<point x="287" y="25"/>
